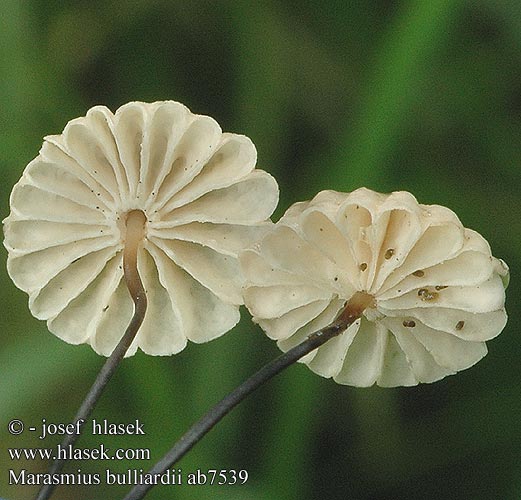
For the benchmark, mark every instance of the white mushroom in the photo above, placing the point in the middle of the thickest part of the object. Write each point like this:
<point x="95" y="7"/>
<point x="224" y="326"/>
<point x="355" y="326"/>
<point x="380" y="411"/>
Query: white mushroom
<point x="196" y="200"/>
<point x="432" y="292"/>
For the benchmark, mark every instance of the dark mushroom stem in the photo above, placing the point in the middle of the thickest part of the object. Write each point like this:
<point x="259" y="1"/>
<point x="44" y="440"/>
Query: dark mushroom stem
<point x="135" y="225"/>
<point x="349" y="314"/>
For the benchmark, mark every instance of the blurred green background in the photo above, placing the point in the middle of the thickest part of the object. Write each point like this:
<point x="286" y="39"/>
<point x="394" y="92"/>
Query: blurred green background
<point x="417" y="95"/>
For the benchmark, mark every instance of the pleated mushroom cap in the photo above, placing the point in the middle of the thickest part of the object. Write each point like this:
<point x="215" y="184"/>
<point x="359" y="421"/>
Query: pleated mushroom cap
<point x="203" y="201"/>
<point x="437" y="293"/>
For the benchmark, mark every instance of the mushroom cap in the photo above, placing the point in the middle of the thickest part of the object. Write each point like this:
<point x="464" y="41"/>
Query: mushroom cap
<point x="437" y="291"/>
<point x="203" y="200"/>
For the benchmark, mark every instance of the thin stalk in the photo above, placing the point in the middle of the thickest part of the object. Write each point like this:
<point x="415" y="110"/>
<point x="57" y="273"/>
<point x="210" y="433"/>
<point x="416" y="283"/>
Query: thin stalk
<point x="352" y="311"/>
<point x="135" y="230"/>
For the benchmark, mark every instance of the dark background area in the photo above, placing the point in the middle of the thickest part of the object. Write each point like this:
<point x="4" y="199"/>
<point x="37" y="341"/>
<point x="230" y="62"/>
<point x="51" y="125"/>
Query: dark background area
<point x="423" y="96"/>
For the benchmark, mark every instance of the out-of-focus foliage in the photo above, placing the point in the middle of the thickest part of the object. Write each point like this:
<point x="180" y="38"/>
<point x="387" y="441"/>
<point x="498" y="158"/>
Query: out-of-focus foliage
<point x="416" y="95"/>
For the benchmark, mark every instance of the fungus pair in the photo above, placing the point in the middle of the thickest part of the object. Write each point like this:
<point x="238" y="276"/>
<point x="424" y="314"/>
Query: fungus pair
<point x="167" y="193"/>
